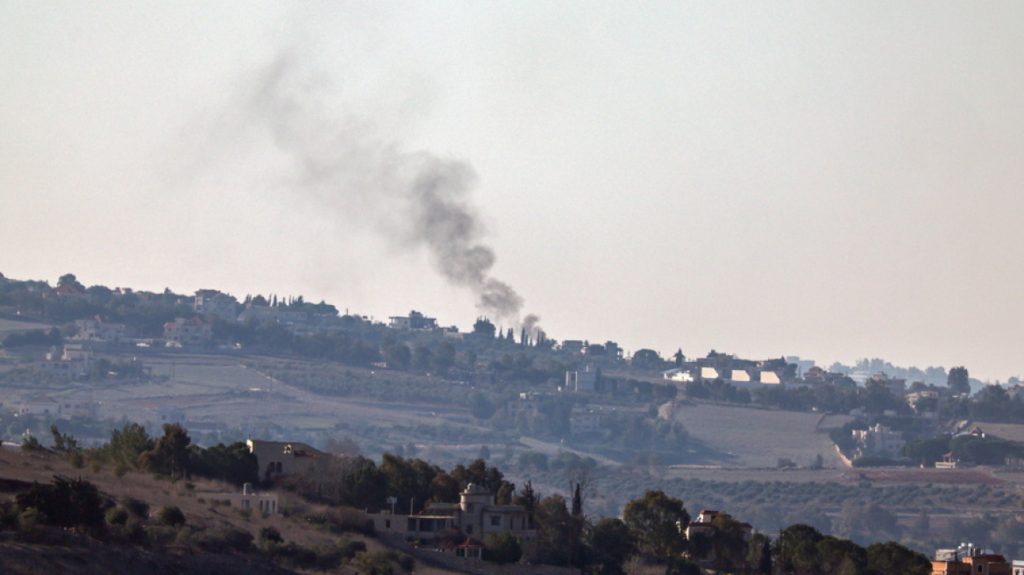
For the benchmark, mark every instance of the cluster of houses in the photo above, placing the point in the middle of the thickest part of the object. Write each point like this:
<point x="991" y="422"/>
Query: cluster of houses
<point x="970" y="560"/>
<point x="742" y="373"/>
<point x="475" y="515"/>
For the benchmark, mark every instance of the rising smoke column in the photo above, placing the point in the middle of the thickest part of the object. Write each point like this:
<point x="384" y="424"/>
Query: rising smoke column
<point x="339" y="163"/>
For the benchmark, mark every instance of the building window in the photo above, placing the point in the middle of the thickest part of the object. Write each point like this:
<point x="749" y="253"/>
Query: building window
<point x="387" y="524"/>
<point x="469" y="529"/>
<point x="495" y="520"/>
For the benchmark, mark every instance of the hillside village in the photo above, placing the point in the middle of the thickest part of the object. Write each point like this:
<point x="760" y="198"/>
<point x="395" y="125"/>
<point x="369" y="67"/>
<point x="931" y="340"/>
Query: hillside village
<point x="280" y="371"/>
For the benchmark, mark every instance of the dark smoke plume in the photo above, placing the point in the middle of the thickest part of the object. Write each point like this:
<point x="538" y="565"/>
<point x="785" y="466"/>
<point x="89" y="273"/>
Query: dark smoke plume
<point x="418" y="199"/>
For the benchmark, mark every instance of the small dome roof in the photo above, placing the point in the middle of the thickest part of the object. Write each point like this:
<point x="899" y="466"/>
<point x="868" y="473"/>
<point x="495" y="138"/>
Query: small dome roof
<point x="474" y="489"/>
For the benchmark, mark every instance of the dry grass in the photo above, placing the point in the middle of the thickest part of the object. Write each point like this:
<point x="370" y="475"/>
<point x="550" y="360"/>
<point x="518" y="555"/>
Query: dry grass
<point x="757" y="437"/>
<point x="195" y="499"/>
<point x="1011" y="431"/>
<point x="11" y="326"/>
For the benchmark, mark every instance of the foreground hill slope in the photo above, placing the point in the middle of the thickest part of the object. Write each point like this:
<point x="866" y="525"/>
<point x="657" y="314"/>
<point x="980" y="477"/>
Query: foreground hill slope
<point x="215" y="538"/>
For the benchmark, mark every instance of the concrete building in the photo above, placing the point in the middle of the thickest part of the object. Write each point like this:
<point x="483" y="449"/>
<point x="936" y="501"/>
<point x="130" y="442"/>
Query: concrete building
<point x="969" y="560"/>
<point x="878" y="440"/>
<point x="414" y="321"/>
<point x="73" y="361"/>
<point x="277" y="458"/>
<point x="581" y="381"/>
<point x="475" y="515"/>
<point x="97" y="329"/>
<point x="573" y="346"/>
<point x="210" y="302"/>
<point x="187" y="332"/>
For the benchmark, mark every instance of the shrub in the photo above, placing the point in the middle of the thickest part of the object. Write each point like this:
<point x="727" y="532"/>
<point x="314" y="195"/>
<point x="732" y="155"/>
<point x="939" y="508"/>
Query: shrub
<point x="161" y="534"/>
<point x="223" y="540"/>
<point x="271" y="534"/>
<point x="171" y="516"/>
<point x="404" y="560"/>
<point x="31" y="444"/>
<point x="292" y="554"/>
<point x="117" y="516"/>
<point x="136" y="507"/>
<point x="376" y="563"/>
<point x="65" y="502"/>
<point x="28" y="519"/>
<point x="131" y="532"/>
<point x="502" y="548"/>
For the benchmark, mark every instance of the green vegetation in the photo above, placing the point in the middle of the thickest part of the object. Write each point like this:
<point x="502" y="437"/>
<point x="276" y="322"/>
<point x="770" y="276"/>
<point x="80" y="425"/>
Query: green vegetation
<point x="502" y="548"/>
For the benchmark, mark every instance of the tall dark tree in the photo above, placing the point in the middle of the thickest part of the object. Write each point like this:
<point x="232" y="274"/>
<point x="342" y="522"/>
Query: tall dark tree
<point x="127" y="444"/>
<point x="959" y="380"/>
<point x="797" y="549"/>
<point x="528" y="499"/>
<point x="611" y="543"/>
<point x="654" y="520"/>
<point x="760" y="555"/>
<point x="553" y="523"/>
<point x="577" y="502"/>
<point x="170" y="453"/>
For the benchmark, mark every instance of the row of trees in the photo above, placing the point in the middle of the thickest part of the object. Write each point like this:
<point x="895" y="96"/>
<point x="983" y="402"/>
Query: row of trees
<point x="651" y="525"/>
<point x="171" y="455"/>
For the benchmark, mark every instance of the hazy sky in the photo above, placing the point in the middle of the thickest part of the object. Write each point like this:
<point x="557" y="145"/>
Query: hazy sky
<point x="827" y="179"/>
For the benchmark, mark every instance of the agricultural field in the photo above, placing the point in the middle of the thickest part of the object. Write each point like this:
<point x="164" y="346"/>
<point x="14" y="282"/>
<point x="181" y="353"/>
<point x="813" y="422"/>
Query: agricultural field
<point x="757" y="438"/>
<point x="1011" y="431"/>
<point x="12" y="326"/>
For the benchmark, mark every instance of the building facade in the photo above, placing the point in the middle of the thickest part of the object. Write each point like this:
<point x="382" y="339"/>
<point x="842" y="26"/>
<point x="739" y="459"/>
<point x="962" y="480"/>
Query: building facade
<point x="476" y="515"/>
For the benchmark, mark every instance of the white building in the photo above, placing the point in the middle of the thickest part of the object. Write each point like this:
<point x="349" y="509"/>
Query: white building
<point x="187" y="332"/>
<point x="74" y="361"/>
<point x="278" y="458"/>
<point x="96" y="329"/>
<point x="581" y="381"/>
<point x="214" y="303"/>
<point x="878" y="439"/>
<point x="475" y="514"/>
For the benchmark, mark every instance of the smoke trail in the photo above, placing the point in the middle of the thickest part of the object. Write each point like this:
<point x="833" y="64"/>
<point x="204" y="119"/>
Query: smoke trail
<point x="419" y="198"/>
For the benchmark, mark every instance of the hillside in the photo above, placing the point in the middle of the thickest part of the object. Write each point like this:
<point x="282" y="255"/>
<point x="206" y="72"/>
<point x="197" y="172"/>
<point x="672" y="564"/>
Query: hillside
<point x="195" y="547"/>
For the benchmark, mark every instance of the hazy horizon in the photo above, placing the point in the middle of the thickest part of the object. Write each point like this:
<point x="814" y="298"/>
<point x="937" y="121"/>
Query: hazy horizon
<point x="829" y="180"/>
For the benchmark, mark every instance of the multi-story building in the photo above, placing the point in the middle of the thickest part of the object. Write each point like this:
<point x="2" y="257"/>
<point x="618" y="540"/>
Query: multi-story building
<point x="878" y="439"/>
<point x="475" y="515"/>
<point x="278" y="458"/>
<point x="211" y="302"/>
<point x="188" y="332"/>
<point x="969" y="560"/>
<point x="581" y="381"/>
<point x="97" y="329"/>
